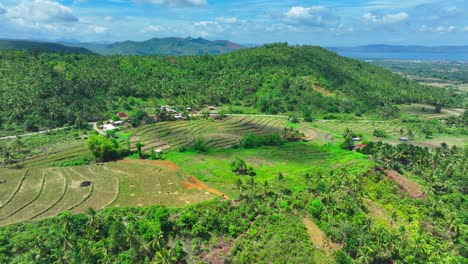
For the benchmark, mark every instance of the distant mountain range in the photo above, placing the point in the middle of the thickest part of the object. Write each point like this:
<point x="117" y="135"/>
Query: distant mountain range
<point x="397" y="49"/>
<point x="40" y="46"/>
<point x="161" y="46"/>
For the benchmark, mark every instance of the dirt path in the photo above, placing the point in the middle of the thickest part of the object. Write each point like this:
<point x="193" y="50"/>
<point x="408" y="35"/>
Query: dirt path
<point x="407" y="185"/>
<point x="318" y="237"/>
<point x="35" y="133"/>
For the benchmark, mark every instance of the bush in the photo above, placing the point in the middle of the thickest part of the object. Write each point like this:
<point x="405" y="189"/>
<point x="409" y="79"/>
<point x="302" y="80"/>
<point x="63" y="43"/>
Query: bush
<point x="379" y="133"/>
<point x="200" y="145"/>
<point x="316" y="208"/>
<point x="252" y="141"/>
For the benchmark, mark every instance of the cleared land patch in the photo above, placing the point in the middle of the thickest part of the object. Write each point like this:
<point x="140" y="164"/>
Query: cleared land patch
<point x="318" y="237"/>
<point x="407" y="185"/>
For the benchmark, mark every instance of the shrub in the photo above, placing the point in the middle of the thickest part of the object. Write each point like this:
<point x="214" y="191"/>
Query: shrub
<point x="200" y="145"/>
<point x="379" y="133"/>
<point x="316" y="208"/>
<point x="252" y="141"/>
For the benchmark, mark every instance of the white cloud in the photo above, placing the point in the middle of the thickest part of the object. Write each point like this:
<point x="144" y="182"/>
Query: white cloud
<point x="316" y="16"/>
<point x="176" y="3"/>
<point x="205" y="23"/>
<point x="40" y="11"/>
<point x="98" y="29"/>
<point x="465" y="29"/>
<point x="108" y="18"/>
<point x="228" y="20"/>
<point x="370" y="18"/>
<point x="438" y="29"/>
<point x="152" y="29"/>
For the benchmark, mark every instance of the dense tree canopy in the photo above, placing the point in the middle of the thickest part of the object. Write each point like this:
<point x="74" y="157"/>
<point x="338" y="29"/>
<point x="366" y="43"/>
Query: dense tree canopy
<point x="47" y="89"/>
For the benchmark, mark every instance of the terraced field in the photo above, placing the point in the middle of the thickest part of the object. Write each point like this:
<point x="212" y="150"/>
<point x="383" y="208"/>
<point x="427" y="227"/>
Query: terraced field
<point x="44" y="192"/>
<point x="217" y="134"/>
<point x="337" y="127"/>
<point x="56" y="153"/>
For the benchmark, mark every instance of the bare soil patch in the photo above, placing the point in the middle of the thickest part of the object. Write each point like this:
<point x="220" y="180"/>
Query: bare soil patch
<point x="194" y="183"/>
<point x="407" y="185"/>
<point x="318" y="237"/>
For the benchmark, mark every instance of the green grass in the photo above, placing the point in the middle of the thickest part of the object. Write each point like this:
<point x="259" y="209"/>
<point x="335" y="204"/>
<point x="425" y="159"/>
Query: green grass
<point x="294" y="160"/>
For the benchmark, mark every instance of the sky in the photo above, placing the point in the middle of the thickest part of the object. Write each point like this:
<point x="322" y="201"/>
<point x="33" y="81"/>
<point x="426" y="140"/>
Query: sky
<point x="325" y="23"/>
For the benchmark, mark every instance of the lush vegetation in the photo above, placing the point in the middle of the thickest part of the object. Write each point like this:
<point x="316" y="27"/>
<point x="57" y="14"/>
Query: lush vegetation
<point x="272" y="79"/>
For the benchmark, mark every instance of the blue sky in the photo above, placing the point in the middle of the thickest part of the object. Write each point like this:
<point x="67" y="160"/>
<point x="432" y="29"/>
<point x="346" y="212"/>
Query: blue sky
<point x="326" y="23"/>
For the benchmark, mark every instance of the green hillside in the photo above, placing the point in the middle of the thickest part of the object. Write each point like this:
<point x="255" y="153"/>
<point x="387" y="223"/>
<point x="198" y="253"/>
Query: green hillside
<point x="52" y="89"/>
<point x="40" y="46"/>
<point x="163" y="46"/>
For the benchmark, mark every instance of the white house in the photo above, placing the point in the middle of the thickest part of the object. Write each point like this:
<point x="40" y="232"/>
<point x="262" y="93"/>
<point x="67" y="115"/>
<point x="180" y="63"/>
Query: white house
<point x="108" y="127"/>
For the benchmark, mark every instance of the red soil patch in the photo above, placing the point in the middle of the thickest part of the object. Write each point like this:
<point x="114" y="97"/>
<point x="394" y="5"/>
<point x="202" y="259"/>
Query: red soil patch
<point x="191" y="183"/>
<point x="407" y="185"/>
<point x="194" y="183"/>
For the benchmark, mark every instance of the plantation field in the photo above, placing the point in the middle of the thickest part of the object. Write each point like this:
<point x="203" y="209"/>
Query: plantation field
<point x="45" y="192"/>
<point x="417" y="109"/>
<point x="391" y="128"/>
<point x="293" y="160"/>
<point x="217" y="134"/>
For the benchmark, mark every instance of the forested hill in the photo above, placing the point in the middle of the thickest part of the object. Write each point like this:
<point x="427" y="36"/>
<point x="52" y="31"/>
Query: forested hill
<point x="40" y="46"/>
<point x="163" y="46"/>
<point x="55" y="89"/>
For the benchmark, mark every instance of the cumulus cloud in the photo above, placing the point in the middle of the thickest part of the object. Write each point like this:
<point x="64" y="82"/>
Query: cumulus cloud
<point x="316" y="16"/>
<point x="41" y="11"/>
<point x="176" y="3"/>
<point x="152" y="29"/>
<point x="438" y="29"/>
<point x="370" y="18"/>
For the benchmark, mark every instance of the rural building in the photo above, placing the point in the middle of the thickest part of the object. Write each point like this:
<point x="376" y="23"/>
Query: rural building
<point x="357" y="139"/>
<point x="108" y="127"/>
<point x="403" y="139"/>
<point x="211" y="108"/>
<point x="118" y="123"/>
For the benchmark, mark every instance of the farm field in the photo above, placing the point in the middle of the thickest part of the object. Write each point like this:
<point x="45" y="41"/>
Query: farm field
<point x="45" y="192"/>
<point x="417" y="109"/>
<point x="391" y="128"/>
<point x="217" y="134"/>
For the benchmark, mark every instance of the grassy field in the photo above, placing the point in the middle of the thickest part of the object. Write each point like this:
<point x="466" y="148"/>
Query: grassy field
<point x="293" y="160"/>
<point x="39" y="193"/>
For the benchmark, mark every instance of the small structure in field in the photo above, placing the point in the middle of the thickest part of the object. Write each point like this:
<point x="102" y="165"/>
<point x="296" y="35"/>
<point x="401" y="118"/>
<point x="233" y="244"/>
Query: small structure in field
<point x="178" y="116"/>
<point x="329" y="137"/>
<point x="2" y="181"/>
<point x="108" y="127"/>
<point x="211" y="108"/>
<point x="357" y="139"/>
<point x="159" y="151"/>
<point x="85" y="184"/>
<point x="403" y="139"/>
<point x="118" y="123"/>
